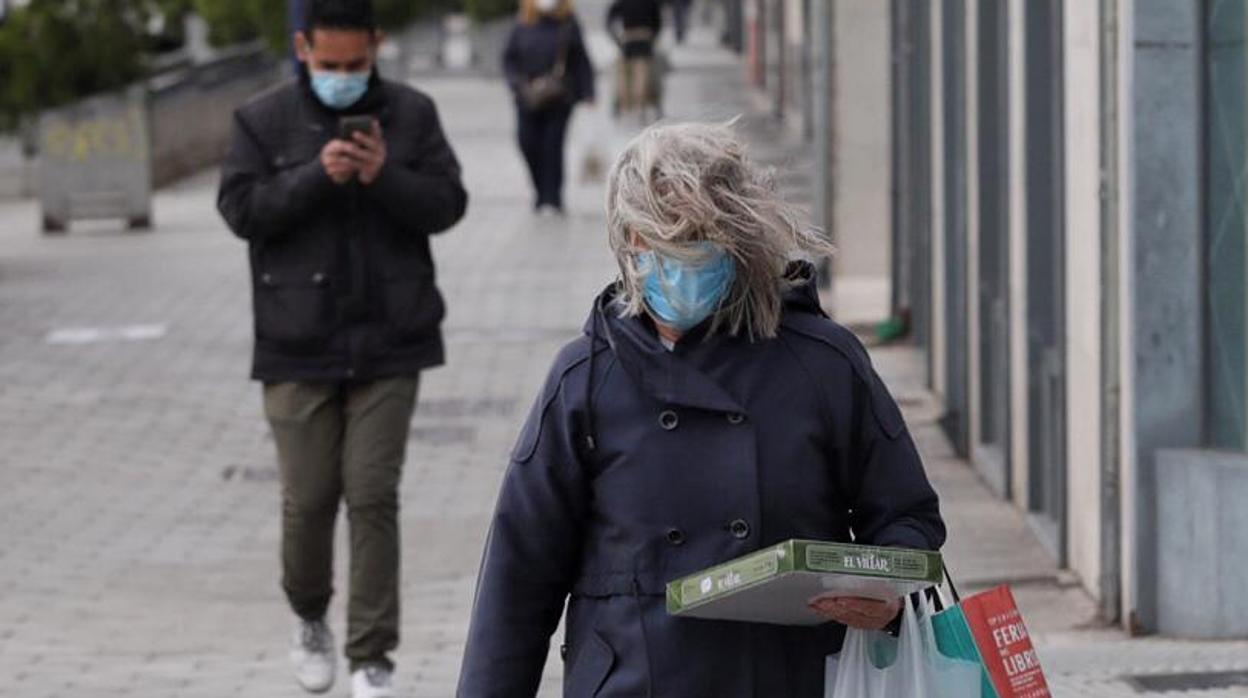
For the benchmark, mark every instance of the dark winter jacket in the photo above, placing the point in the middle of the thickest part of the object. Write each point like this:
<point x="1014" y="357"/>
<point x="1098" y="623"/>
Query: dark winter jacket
<point x="534" y="49"/>
<point x="638" y="466"/>
<point x="342" y="275"/>
<point x="627" y="17"/>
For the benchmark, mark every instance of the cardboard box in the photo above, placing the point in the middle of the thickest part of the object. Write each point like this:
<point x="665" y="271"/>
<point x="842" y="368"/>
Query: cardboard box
<point x="776" y="584"/>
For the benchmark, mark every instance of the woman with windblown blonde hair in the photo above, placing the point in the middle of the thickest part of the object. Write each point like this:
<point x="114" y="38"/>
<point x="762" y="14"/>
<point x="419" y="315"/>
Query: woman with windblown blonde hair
<point x="711" y="409"/>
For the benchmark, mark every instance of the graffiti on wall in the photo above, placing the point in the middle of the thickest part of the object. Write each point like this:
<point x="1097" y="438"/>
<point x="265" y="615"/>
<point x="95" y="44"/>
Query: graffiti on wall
<point x="109" y="136"/>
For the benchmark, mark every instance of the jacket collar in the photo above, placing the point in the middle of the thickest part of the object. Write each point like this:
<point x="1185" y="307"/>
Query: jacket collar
<point x="671" y="377"/>
<point x="803" y="297"/>
<point x="674" y="377"/>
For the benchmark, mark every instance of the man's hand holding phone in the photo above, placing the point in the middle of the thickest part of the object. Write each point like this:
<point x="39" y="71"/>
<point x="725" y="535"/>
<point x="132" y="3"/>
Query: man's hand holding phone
<point x="368" y="150"/>
<point x="337" y="161"/>
<point x="359" y="151"/>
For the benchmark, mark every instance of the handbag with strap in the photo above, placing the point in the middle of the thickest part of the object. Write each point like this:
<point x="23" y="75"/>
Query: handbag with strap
<point x="549" y="90"/>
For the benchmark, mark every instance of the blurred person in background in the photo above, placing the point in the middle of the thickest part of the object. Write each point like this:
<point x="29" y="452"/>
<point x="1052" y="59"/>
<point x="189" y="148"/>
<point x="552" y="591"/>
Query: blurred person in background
<point x="681" y="11"/>
<point x="549" y="72"/>
<point x="336" y="180"/>
<point x="635" y="27"/>
<point x="709" y="410"/>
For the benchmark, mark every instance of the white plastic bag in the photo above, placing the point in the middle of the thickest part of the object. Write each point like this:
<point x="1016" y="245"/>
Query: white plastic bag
<point x="595" y="158"/>
<point x="875" y="665"/>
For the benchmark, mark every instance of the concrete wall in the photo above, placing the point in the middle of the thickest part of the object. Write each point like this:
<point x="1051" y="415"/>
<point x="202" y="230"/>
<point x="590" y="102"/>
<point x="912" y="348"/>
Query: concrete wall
<point x="862" y="217"/>
<point x="191" y="117"/>
<point x="1083" y="288"/>
<point x="797" y="108"/>
<point x="1201" y="522"/>
<point x="1166" y="234"/>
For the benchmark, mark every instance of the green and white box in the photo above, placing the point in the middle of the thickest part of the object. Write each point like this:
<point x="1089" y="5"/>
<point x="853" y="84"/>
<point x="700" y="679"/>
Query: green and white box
<point x="777" y="584"/>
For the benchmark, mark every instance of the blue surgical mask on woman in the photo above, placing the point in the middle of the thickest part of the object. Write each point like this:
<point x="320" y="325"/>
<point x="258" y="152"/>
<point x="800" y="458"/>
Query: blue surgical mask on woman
<point x="339" y="90"/>
<point x="684" y="293"/>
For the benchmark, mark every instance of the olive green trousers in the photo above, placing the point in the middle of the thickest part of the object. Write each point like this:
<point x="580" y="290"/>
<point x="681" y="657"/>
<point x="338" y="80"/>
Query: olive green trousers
<point x="343" y="442"/>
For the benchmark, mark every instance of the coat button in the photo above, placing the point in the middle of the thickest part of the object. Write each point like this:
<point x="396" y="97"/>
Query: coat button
<point x="266" y="279"/>
<point x="563" y="652"/>
<point x="675" y="536"/>
<point x="735" y="418"/>
<point x="668" y="420"/>
<point x="739" y="528"/>
<point x="319" y="278"/>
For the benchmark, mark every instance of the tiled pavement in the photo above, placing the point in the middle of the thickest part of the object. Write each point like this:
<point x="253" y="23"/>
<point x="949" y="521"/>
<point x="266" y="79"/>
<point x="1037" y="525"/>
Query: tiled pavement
<point x="138" y="502"/>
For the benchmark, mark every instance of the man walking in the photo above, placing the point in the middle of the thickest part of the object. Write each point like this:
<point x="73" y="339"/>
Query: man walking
<point x="681" y="9"/>
<point x="635" y="27"/>
<point x="336" y="180"/>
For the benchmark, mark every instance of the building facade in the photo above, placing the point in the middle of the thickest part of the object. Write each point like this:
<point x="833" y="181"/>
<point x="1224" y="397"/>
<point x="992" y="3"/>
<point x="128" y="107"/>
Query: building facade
<point x="1068" y="188"/>
<point x="1060" y="187"/>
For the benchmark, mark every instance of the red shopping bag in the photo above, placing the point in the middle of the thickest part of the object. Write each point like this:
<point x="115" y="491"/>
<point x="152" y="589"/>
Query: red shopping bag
<point x="1004" y="644"/>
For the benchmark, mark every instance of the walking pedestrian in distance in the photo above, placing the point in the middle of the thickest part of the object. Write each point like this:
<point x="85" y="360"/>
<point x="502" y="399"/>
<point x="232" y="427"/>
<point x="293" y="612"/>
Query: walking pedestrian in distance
<point x="635" y="26"/>
<point x="337" y="180"/>
<point x="681" y="11"/>
<point x="549" y="73"/>
<point x="710" y="410"/>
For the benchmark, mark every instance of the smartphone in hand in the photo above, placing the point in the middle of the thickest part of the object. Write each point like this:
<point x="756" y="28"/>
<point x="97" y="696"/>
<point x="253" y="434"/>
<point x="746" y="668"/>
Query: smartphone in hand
<point x="348" y="126"/>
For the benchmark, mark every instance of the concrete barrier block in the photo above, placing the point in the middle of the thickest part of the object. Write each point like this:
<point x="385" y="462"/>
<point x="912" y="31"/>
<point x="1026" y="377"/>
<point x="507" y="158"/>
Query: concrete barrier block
<point x="1202" y="544"/>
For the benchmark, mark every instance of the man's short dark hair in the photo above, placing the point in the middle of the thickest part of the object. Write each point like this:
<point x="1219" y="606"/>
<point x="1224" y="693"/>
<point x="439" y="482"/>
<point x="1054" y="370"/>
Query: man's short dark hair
<point x="352" y="15"/>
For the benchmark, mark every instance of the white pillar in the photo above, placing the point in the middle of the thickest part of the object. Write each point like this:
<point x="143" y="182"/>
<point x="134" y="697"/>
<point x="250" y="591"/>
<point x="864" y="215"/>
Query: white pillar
<point x="1083" y="288"/>
<point x="939" y="346"/>
<point x="974" y="413"/>
<point x="1016" y="13"/>
<point x="862" y="215"/>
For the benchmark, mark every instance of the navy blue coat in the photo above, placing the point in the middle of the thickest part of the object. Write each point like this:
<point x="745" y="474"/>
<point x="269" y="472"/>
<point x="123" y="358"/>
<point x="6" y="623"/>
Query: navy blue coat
<point x="638" y="466"/>
<point x="533" y="50"/>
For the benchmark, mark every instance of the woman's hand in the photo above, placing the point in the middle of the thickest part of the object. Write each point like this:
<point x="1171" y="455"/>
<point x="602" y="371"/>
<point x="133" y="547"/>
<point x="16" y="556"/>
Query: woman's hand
<point x="864" y="614"/>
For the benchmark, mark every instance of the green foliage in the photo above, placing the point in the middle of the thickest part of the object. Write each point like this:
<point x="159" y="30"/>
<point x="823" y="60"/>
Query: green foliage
<point x="53" y="52"/>
<point x="395" y="13"/>
<point x="236" y="21"/>
<point x="174" y="12"/>
<point x="56" y="51"/>
<point x="233" y="21"/>
<point x="484" y="10"/>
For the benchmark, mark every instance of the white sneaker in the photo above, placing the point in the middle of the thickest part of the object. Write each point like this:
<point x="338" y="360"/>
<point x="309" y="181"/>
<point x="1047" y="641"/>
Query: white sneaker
<point x="550" y="212"/>
<point x="312" y="654"/>
<point x="372" y="681"/>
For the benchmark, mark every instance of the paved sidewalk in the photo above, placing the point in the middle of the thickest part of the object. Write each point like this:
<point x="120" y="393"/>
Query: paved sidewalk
<point x="138" y="494"/>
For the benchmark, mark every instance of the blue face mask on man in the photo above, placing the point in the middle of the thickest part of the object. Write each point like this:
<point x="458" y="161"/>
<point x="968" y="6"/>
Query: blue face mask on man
<point x="682" y="294"/>
<point x="339" y="90"/>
